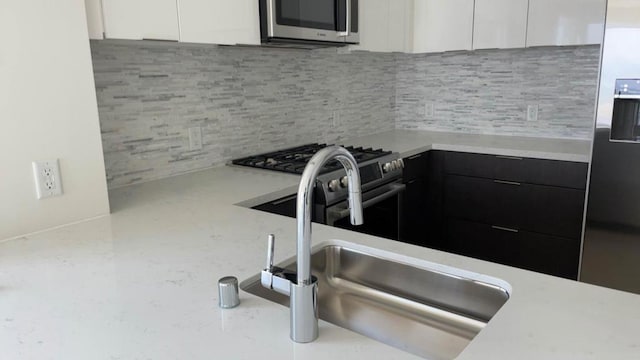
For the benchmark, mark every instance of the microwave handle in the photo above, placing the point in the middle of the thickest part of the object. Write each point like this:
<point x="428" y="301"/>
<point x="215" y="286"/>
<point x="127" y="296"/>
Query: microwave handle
<point x="347" y="20"/>
<point x="341" y="213"/>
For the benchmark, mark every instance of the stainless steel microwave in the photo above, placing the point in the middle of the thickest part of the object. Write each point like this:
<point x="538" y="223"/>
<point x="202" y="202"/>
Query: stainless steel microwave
<point x="322" y="22"/>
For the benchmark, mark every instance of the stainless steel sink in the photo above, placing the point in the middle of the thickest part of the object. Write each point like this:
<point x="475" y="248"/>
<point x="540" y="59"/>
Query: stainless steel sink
<point x="426" y="309"/>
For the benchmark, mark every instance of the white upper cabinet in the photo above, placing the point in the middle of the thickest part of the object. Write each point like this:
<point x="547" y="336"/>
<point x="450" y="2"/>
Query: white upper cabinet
<point x="500" y="24"/>
<point x="219" y="21"/>
<point x="565" y="22"/>
<point x="442" y="25"/>
<point x="383" y="25"/>
<point x="140" y="19"/>
<point x="94" y="19"/>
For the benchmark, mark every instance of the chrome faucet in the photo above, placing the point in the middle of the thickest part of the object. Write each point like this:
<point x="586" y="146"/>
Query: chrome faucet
<point x="302" y="287"/>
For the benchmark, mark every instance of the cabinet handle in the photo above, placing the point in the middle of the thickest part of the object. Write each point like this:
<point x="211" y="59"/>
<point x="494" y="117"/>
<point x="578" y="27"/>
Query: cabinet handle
<point x="507" y="182"/>
<point x="414" y="157"/>
<point x="509" y="157"/>
<point x="347" y="19"/>
<point x="505" y="229"/>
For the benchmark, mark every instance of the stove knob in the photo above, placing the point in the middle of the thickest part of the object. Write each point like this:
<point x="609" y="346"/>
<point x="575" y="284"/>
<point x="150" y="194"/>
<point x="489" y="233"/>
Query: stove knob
<point x="344" y="182"/>
<point x="395" y="165"/>
<point x="386" y="167"/>
<point x="334" y="185"/>
<point x="401" y="163"/>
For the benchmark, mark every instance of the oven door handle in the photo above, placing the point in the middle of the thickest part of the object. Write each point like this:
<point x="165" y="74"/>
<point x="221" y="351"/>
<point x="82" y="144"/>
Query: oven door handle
<point x="394" y="189"/>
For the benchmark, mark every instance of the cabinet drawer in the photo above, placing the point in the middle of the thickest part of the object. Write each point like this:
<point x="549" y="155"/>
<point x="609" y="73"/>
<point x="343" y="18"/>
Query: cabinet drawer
<point x="534" y="171"/>
<point x="415" y="167"/>
<point x="532" y="251"/>
<point x="538" y="208"/>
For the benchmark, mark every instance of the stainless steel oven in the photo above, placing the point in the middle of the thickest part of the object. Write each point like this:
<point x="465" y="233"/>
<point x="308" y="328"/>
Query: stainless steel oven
<point x="332" y="22"/>
<point x="382" y="208"/>
<point x="382" y="188"/>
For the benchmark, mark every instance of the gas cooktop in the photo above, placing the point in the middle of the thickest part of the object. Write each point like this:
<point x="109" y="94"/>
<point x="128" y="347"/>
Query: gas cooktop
<point x="294" y="160"/>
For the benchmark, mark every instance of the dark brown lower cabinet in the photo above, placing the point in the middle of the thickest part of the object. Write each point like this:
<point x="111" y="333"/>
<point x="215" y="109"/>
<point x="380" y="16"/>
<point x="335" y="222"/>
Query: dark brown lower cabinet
<point x="515" y="211"/>
<point x="528" y="250"/>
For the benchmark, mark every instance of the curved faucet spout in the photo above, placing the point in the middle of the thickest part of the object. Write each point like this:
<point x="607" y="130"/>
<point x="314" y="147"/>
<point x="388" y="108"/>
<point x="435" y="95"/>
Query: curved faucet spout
<point x="305" y="201"/>
<point x="303" y="292"/>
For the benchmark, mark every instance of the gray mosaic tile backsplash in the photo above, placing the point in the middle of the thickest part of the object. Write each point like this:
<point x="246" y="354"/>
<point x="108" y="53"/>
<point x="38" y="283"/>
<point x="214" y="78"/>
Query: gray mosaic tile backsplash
<point x="488" y="92"/>
<point x="246" y="100"/>
<point x="250" y="100"/>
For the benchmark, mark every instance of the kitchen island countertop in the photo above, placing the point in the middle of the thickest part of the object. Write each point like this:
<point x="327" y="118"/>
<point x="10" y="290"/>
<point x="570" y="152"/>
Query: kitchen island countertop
<point x="141" y="284"/>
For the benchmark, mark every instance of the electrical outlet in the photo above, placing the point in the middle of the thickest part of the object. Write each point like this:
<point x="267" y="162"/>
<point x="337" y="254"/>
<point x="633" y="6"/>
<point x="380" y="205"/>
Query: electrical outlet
<point x="429" y="110"/>
<point x="195" y="138"/>
<point x="532" y="113"/>
<point x="47" y="176"/>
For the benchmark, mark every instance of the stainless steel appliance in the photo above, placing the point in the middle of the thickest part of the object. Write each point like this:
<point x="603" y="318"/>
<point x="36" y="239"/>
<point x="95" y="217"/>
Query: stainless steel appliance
<point x="611" y="247"/>
<point x="318" y="22"/>
<point x="382" y="188"/>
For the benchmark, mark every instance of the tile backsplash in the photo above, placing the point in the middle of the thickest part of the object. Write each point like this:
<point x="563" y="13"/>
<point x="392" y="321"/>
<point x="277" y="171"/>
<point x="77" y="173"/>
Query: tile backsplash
<point x="248" y="100"/>
<point x="488" y="92"/>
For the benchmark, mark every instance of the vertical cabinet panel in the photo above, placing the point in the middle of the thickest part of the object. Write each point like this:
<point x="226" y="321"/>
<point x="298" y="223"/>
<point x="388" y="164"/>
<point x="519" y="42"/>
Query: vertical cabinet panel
<point x="385" y="25"/>
<point x="95" y="26"/>
<point x="373" y="25"/>
<point x="160" y="20"/>
<point x="442" y="25"/>
<point x="500" y="24"/>
<point x="219" y="21"/>
<point x="122" y="19"/>
<point x="400" y="25"/>
<point x="565" y="22"/>
<point x="140" y="19"/>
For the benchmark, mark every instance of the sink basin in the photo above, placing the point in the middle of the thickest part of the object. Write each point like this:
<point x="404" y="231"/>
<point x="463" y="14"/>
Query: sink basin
<point x="425" y="308"/>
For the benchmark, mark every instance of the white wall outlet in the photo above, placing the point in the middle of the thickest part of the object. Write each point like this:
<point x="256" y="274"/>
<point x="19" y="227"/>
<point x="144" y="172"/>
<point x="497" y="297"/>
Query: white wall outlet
<point x="429" y="110"/>
<point x="532" y="113"/>
<point x="47" y="176"/>
<point x="195" y="138"/>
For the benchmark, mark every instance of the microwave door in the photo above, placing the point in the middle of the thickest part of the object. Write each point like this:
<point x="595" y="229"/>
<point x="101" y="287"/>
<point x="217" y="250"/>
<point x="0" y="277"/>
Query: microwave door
<point x="317" y="20"/>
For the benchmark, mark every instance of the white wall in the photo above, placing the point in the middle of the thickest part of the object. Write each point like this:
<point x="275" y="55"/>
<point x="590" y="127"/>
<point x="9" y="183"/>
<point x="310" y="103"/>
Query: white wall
<point x="47" y="110"/>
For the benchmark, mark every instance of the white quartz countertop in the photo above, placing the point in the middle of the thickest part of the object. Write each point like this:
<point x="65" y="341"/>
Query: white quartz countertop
<point x="411" y="142"/>
<point x="141" y="284"/>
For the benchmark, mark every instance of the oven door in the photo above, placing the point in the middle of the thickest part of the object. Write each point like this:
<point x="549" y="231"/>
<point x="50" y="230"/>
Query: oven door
<point x="316" y="20"/>
<point x="382" y="212"/>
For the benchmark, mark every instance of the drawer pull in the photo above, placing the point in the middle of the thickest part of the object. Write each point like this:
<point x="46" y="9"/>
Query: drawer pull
<point x="504" y="229"/>
<point x="508" y="157"/>
<point x="507" y="182"/>
<point x="414" y="157"/>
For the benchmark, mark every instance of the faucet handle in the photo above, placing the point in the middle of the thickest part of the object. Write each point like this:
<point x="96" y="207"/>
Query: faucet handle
<point x="271" y="243"/>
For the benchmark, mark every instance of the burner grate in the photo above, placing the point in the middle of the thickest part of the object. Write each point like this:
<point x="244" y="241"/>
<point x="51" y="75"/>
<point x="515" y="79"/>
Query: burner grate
<point x="293" y="160"/>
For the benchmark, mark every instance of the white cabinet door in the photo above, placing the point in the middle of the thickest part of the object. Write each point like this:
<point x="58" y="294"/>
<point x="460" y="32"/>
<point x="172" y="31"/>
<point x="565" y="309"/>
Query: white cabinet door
<point x="160" y="20"/>
<point x="384" y="25"/>
<point x="219" y="21"/>
<point x="93" y="9"/>
<point x="122" y="19"/>
<point x="500" y="24"/>
<point x="373" y="25"/>
<point x="565" y="22"/>
<point x="400" y="33"/>
<point x="140" y="19"/>
<point x="442" y="25"/>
